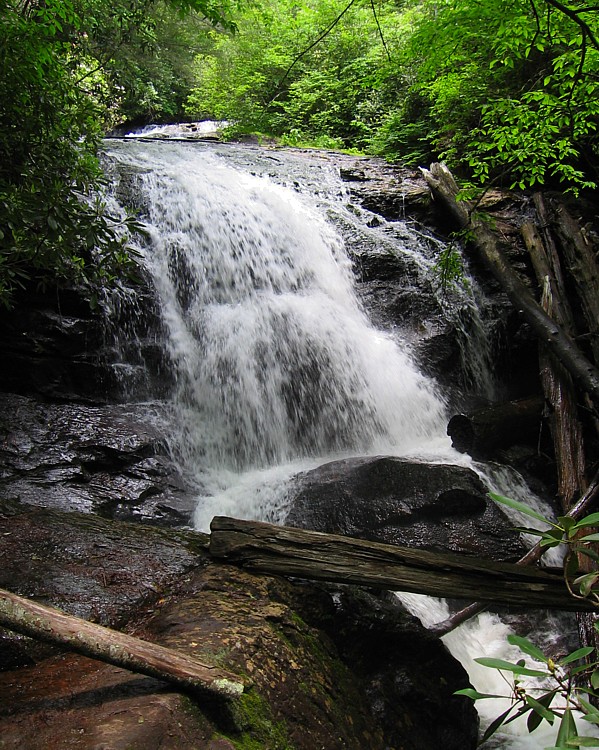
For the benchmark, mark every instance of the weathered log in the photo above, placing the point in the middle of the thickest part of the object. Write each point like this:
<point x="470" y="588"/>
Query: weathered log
<point x="53" y="626"/>
<point x="445" y="188"/>
<point x="558" y="387"/>
<point x="581" y="259"/>
<point x="288" y="551"/>
<point x="481" y="432"/>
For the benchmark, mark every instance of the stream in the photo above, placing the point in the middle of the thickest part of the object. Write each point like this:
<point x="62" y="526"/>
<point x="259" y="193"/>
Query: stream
<point x="274" y="364"/>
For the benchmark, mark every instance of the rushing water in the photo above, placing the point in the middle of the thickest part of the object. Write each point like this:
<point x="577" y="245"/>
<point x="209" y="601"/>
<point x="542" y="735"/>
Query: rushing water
<point x="273" y="363"/>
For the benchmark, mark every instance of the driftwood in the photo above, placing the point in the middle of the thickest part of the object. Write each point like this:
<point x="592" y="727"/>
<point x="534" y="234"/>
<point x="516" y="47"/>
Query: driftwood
<point x="328" y="557"/>
<point x="481" y="432"/>
<point x="444" y="188"/>
<point x="53" y="626"/>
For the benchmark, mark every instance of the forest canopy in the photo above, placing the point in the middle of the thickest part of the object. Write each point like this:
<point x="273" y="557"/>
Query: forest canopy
<point x="505" y="91"/>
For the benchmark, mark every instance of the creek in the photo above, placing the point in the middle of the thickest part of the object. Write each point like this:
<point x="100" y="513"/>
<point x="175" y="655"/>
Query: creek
<point x="271" y="362"/>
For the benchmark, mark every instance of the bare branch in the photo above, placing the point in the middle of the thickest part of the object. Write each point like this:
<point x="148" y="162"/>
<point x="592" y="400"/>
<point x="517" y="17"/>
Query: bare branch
<point x="311" y="46"/>
<point x="378" y="25"/>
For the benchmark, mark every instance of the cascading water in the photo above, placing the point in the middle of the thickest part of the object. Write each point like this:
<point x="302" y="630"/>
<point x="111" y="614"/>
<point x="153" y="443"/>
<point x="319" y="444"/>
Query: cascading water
<point x="276" y="367"/>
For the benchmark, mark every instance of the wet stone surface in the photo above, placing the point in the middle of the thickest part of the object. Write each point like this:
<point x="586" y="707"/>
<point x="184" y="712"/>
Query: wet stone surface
<point x="410" y="503"/>
<point x="111" y="460"/>
<point x="324" y="668"/>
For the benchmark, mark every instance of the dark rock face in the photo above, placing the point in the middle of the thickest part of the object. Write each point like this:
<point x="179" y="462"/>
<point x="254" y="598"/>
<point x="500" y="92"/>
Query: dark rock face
<point x="398" y="501"/>
<point x="391" y="191"/>
<point x="110" y="460"/>
<point x="53" y="344"/>
<point x="393" y="654"/>
<point x="327" y="669"/>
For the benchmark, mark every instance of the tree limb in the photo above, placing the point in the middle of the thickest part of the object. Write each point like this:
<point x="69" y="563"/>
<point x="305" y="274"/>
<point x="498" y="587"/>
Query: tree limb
<point x="53" y="626"/>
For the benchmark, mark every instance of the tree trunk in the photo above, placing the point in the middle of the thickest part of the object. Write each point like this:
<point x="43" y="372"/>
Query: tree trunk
<point x="53" y="626"/>
<point x="444" y="187"/>
<point x="557" y="384"/>
<point x="328" y="557"/>
<point x="581" y="260"/>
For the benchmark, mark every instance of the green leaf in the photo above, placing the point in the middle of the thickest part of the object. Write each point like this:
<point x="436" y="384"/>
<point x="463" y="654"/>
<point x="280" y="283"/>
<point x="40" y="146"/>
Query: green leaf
<point x="590" y="520"/>
<point x="540" y="710"/>
<point x="589" y="538"/>
<point x="583" y="742"/>
<point x="517" y="505"/>
<point x="595" y="680"/>
<point x="566" y="522"/>
<point x="527" y="647"/>
<point x="578" y="654"/>
<point x="586" y="582"/>
<point x="567" y="728"/>
<point x="507" y="666"/>
<point x="475" y="695"/>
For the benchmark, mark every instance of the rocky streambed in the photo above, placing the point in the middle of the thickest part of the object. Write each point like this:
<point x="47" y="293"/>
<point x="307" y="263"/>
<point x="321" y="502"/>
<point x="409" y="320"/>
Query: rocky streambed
<point x="95" y="518"/>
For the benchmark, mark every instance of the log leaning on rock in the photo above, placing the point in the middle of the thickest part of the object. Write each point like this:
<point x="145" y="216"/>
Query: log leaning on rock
<point x="283" y="550"/>
<point x="54" y="626"/>
<point x="445" y="189"/>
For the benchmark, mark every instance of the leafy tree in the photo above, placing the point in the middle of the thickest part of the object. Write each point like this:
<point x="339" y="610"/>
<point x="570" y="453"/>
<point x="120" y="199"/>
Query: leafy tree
<point x="504" y="90"/>
<point x="300" y="69"/>
<point x="59" y="70"/>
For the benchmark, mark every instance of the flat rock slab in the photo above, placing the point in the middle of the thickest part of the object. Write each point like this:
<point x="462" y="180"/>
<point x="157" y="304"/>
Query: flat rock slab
<point x="88" y="566"/>
<point x="111" y="460"/>
<point x="297" y="646"/>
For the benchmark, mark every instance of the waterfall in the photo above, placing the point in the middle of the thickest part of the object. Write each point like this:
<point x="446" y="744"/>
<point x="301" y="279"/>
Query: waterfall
<point x="274" y="364"/>
<point x="274" y="359"/>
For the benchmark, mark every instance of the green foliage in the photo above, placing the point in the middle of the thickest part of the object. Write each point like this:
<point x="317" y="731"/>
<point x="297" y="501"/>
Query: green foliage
<point x="272" y="77"/>
<point x="49" y="130"/>
<point x="503" y="90"/>
<point x="569" y="533"/>
<point x="62" y="64"/>
<point x="560" y="686"/>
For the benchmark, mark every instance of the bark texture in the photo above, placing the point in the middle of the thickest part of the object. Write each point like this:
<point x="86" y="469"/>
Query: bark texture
<point x="327" y="557"/>
<point x="445" y="189"/>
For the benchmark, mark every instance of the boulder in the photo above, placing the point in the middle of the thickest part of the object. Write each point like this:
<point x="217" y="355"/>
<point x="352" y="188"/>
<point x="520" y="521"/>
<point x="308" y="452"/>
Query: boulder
<point x="405" y="502"/>
<point x="325" y="668"/>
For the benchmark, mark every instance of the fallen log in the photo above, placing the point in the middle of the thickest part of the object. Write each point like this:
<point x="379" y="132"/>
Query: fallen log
<point x="54" y="626"/>
<point x="283" y="550"/>
<point x="444" y="187"/>
<point x="483" y="431"/>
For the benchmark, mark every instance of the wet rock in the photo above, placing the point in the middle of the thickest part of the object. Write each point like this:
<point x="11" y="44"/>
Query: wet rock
<point x="397" y="665"/>
<point x="110" y="460"/>
<point x="409" y="503"/>
<point x="53" y="344"/>
<point x="388" y="190"/>
<point x="90" y="566"/>
<point x="325" y="669"/>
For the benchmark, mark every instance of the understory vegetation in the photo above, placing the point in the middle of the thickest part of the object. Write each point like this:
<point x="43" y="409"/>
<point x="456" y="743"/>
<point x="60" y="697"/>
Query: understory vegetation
<point x="504" y="91"/>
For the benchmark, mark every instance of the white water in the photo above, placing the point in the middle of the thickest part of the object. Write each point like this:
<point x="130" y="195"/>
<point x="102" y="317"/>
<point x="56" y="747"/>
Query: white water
<point x="277" y="368"/>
